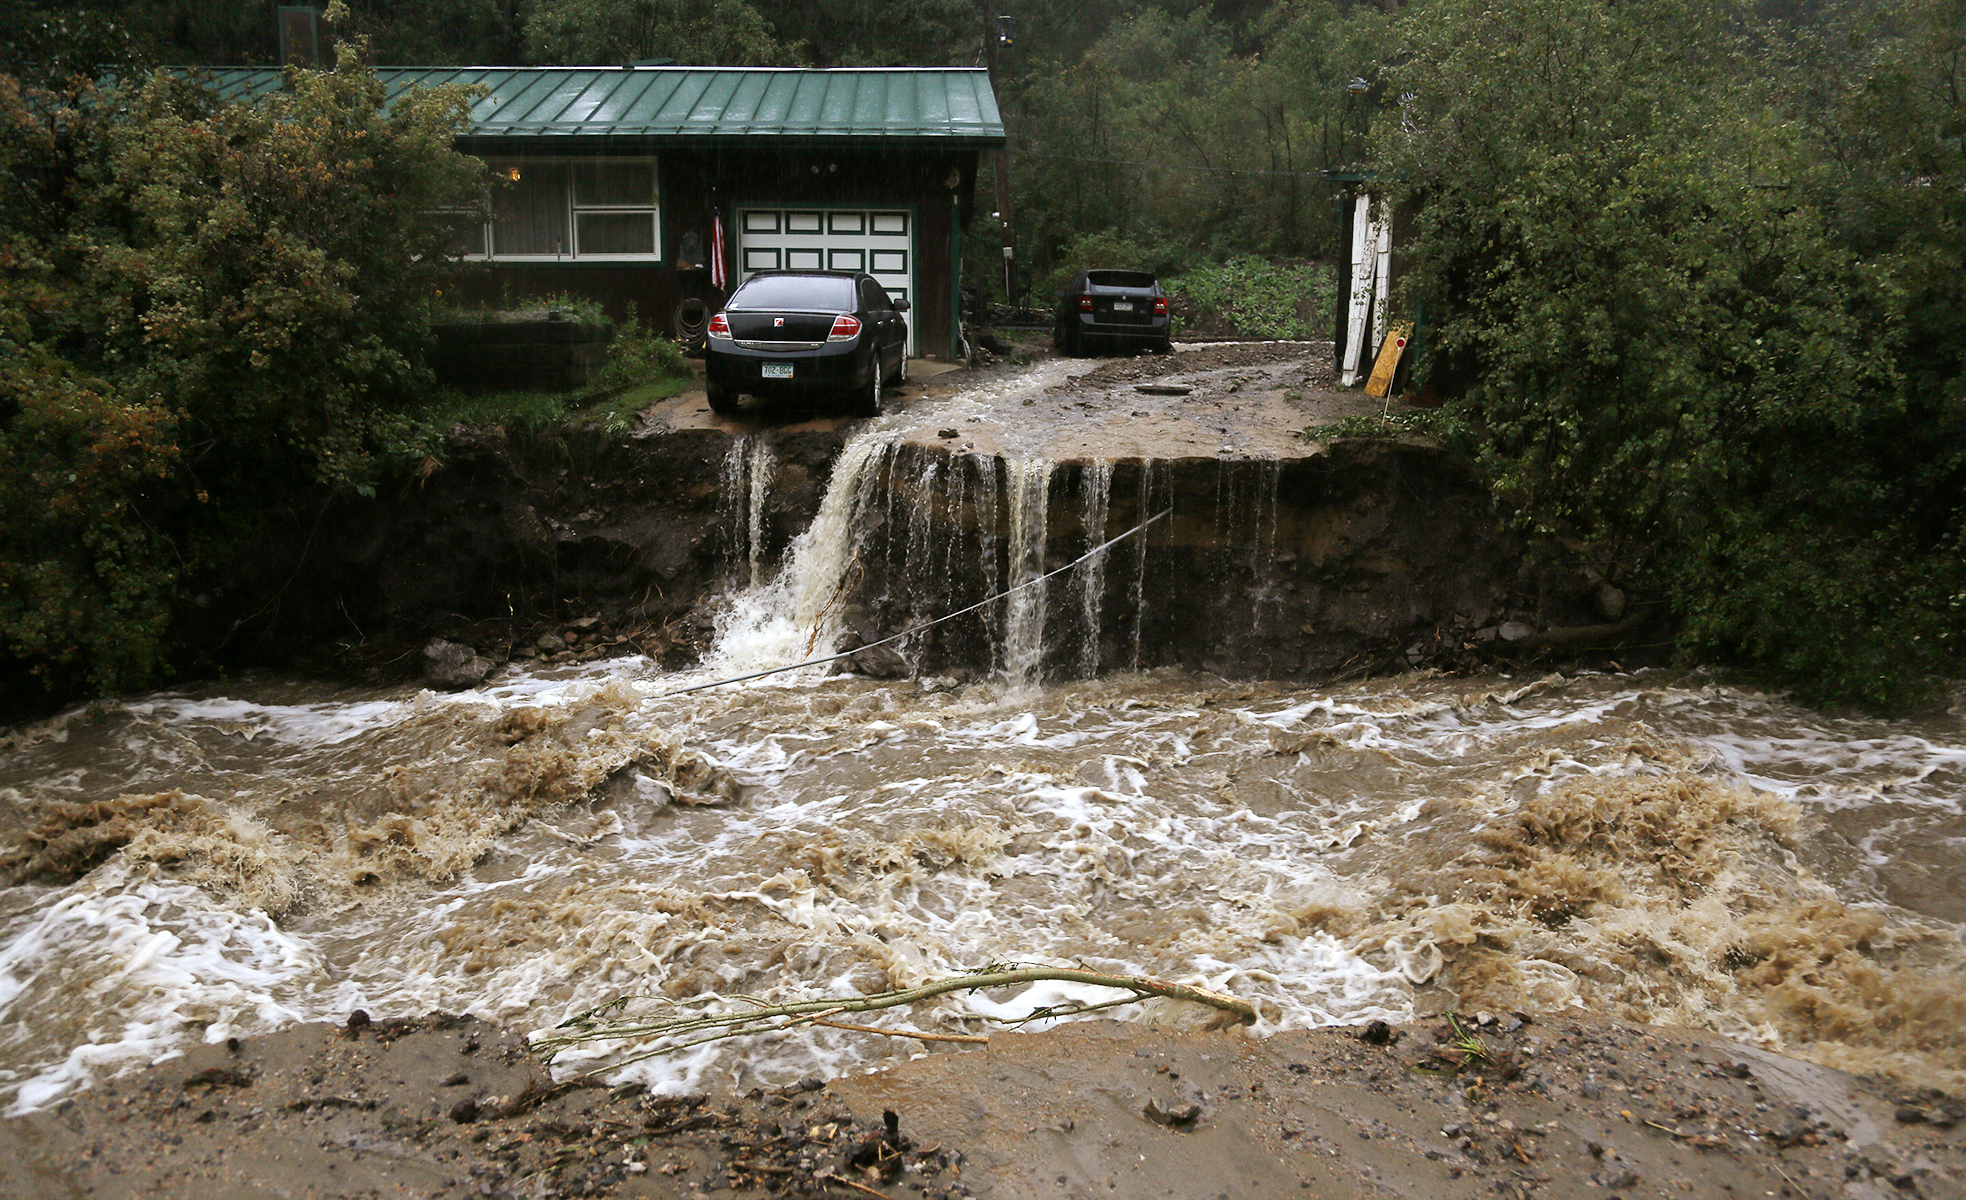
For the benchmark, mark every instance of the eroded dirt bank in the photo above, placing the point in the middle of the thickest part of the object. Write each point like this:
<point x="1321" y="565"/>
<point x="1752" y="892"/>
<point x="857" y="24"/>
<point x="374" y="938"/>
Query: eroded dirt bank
<point x="1512" y="1106"/>
<point x="1276" y="557"/>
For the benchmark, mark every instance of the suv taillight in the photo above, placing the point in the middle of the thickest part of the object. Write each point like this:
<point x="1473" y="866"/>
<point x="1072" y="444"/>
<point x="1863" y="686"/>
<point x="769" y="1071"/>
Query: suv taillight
<point x="1160" y="306"/>
<point x="1085" y="303"/>
<point x="719" y="327"/>
<point x="845" y="328"/>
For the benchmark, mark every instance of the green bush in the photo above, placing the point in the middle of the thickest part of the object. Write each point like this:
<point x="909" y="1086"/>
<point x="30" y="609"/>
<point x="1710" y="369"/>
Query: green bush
<point x="638" y="352"/>
<point x="1704" y="310"/>
<point x="207" y="309"/>
<point x="1287" y="301"/>
<point x="1115" y="249"/>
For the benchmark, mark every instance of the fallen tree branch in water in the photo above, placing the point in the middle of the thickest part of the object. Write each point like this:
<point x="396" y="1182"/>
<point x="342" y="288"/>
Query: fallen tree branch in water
<point x="971" y="1038"/>
<point x="678" y="1033"/>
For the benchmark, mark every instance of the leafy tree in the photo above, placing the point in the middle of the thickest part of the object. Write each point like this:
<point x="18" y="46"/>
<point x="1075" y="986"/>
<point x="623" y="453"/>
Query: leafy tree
<point x="207" y="309"/>
<point x="436" y="33"/>
<point x="873" y="33"/>
<point x="700" y="33"/>
<point x="1673" y="339"/>
<point x="83" y="579"/>
<point x="46" y="47"/>
<point x="280" y="260"/>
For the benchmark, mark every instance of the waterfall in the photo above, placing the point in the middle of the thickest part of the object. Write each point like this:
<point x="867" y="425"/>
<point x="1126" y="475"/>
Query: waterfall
<point x="749" y="467"/>
<point x="907" y="534"/>
<point x="797" y="615"/>
<point x="1149" y="498"/>
<point x="1250" y="495"/>
<point x="1095" y="488"/>
<point x="1023" y="635"/>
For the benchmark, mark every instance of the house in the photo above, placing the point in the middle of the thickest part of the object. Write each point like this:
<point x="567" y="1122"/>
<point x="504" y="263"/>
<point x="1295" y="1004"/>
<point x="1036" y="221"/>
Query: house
<point x="615" y="179"/>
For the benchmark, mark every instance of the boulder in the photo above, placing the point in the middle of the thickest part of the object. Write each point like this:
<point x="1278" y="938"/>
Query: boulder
<point x="880" y="662"/>
<point x="453" y="666"/>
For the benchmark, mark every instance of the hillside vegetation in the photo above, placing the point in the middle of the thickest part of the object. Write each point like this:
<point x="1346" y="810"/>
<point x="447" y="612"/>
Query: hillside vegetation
<point x="1689" y="269"/>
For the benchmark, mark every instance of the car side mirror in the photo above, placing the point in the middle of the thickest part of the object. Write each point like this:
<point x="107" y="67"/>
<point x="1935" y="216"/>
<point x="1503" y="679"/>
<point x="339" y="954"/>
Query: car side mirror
<point x="900" y="304"/>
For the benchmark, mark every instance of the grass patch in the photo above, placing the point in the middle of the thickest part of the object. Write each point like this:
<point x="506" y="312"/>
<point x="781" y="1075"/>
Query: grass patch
<point x="617" y="412"/>
<point x="518" y="412"/>
<point x="1258" y="298"/>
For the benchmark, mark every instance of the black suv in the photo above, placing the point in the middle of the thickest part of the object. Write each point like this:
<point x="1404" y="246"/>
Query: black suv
<point x="1122" y="307"/>
<point x="797" y="334"/>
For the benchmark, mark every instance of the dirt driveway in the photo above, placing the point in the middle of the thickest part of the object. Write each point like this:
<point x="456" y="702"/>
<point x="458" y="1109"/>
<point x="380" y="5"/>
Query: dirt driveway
<point x="1225" y="399"/>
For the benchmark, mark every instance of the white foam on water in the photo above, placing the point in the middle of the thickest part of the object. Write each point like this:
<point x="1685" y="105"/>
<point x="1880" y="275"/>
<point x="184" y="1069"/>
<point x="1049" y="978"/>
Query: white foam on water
<point x="880" y="837"/>
<point x="296" y="725"/>
<point x="130" y="968"/>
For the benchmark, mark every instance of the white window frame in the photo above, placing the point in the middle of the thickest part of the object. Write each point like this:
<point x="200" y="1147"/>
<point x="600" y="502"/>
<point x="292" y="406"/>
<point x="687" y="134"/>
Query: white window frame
<point x="571" y="210"/>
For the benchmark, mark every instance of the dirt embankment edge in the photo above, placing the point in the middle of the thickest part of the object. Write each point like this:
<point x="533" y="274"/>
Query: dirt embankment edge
<point x="1559" y="1105"/>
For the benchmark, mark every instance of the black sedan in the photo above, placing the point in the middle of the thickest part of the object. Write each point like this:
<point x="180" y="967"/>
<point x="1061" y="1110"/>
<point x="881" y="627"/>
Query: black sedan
<point x="1124" y="308"/>
<point x="800" y="335"/>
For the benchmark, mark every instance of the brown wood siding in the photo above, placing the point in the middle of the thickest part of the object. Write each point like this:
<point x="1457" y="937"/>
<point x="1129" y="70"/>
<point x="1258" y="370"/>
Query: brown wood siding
<point x="693" y="182"/>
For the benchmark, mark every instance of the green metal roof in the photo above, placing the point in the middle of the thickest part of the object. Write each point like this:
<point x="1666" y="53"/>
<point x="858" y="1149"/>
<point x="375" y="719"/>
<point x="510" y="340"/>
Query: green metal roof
<point x="689" y="105"/>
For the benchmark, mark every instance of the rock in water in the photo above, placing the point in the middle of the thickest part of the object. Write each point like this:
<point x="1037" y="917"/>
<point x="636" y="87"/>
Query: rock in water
<point x="453" y="666"/>
<point x="880" y="662"/>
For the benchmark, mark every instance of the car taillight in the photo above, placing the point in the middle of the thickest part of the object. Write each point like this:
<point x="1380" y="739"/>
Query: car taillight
<point x="1085" y="303"/>
<point x="719" y="327"/>
<point x="1160" y="306"/>
<point x="845" y="329"/>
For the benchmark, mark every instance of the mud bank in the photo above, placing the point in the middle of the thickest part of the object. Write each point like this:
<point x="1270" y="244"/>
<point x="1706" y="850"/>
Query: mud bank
<point x="1275" y="569"/>
<point x="596" y="543"/>
<point x="1269" y="557"/>
<point x="1516" y="1106"/>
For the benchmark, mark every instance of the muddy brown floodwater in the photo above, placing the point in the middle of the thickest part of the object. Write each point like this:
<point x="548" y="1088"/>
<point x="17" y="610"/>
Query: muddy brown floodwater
<point x="1552" y="933"/>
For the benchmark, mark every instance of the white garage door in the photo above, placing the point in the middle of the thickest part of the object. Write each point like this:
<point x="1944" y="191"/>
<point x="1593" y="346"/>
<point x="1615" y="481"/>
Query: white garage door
<point x="878" y="241"/>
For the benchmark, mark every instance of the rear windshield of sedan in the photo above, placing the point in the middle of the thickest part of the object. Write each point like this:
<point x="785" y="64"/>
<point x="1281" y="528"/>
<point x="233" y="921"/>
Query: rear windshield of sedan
<point x="1125" y="279"/>
<point x="814" y="293"/>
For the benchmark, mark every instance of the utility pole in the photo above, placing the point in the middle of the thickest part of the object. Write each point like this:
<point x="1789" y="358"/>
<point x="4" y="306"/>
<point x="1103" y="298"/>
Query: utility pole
<point x="997" y="35"/>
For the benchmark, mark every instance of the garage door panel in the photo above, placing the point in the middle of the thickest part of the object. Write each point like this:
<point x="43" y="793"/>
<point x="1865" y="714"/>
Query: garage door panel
<point x="877" y="241"/>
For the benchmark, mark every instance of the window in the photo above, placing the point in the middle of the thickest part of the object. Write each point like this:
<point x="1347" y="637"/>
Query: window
<point x="560" y="209"/>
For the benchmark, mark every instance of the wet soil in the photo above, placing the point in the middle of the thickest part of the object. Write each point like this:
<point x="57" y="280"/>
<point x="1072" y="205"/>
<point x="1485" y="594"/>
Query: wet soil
<point x="1513" y="1105"/>
<point x="1232" y="400"/>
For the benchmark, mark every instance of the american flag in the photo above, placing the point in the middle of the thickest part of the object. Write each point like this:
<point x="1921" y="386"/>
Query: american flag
<point x="718" y="278"/>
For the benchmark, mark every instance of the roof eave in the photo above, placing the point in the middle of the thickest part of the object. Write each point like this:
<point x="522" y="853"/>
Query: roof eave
<point x="538" y="141"/>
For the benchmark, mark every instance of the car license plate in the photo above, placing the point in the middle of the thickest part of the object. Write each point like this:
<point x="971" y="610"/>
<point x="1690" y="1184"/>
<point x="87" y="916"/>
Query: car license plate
<point x="776" y="370"/>
<point x="1122" y="306"/>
